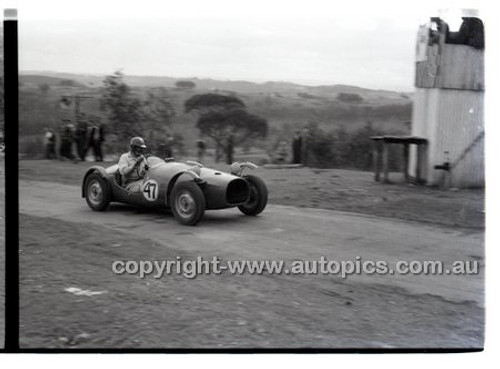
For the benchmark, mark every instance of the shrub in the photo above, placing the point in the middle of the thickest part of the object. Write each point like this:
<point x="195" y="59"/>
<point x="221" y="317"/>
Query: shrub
<point x="349" y="98"/>
<point x="67" y="83"/>
<point x="305" y="95"/>
<point x="185" y="84"/>
<point x="321" y="148"/>
<point x="341" y="149"/>
<point x="44" y="87"/>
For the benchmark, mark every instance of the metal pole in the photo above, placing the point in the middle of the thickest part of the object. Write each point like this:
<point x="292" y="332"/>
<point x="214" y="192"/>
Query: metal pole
<point x="385" y="161"/>
<point x="77" y="107"/>
<point x="376" y="160"/>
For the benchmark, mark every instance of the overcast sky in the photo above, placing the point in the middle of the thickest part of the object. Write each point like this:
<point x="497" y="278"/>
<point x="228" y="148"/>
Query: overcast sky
<point x="308" y="42"/>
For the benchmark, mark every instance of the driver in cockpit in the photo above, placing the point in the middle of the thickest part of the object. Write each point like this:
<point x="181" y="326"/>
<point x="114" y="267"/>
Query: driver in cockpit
<point x="133" y="165"/>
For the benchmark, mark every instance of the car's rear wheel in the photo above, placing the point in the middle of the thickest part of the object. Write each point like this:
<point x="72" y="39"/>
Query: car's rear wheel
<point x="257" y="200"/>
<point x="97" y="192"/>
<point x="187" y="203"/>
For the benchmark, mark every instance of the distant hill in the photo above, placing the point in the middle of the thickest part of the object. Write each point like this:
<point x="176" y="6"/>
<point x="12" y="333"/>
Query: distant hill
<point x="36" y="79"/>
<point x="241" y="87"/>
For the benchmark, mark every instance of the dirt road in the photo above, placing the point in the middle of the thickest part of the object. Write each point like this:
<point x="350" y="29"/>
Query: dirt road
<point x="332" y="189"/>
<point x="65" y="245"/>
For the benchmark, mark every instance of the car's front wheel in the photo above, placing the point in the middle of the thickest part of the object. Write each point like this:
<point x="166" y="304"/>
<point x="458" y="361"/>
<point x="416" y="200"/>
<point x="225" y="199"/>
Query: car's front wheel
<point x="187" y="203"/>
<point x="97" y="192"/>
<point x="257" y="200"/>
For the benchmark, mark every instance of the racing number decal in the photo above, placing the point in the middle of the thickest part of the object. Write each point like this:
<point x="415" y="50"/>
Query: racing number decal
<point x="150" y="190"/>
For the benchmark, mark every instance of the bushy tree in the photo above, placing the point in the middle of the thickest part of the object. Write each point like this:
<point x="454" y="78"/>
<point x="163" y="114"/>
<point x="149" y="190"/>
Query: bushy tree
<point x="225" y="120"/>
<point x="349" y="98"/>
<point x="156" y="114"/>
<point x="122" y="107"/>
<point x="67" y="83"/>
<point x="130" y="115"/>
<point x="321" y="147"/>
<point x="185" y="84"/>
<point x="342" y="149"/>
<point x="44" y="87"/>
<point x="359" y="147"/>
<point x="204" y="103"/>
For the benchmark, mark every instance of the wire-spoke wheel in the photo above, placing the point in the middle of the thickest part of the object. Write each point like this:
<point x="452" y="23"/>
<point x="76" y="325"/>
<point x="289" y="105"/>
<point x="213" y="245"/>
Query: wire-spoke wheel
<point x="97" y="192"/>
<point x="187" y="203"/>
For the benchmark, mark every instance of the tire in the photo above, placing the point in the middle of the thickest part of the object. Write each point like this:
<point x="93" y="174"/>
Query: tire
<point x="258" y="196"/>
<point x="187" y="202"/>
<point x="97" y="192"/>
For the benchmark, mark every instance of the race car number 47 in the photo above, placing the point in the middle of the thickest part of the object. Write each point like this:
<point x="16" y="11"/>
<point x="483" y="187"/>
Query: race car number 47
<point x="150" y="190"/>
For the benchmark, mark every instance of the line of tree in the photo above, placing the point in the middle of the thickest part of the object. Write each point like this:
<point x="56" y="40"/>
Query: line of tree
<point x="44" y="87"/>
<point x="338" y="148"/>
<point x="188" y="85"/>
<point x="68" y="83"/>
<point x="349" y="98"/>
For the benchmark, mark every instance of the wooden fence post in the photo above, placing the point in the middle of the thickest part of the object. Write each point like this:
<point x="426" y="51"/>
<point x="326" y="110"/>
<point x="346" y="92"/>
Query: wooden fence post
<point x="385" y="161"/>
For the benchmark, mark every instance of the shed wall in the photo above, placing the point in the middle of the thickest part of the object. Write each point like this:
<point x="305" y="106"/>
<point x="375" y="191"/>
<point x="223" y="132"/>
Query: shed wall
<point x="452" y="120"/>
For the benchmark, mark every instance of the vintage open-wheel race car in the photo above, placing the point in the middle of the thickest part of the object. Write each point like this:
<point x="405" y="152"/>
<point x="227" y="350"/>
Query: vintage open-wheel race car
<point x="186" y="188"/>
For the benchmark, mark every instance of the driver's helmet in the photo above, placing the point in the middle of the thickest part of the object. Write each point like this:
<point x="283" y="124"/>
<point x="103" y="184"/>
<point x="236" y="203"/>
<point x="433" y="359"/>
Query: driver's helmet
<point x="136" y="142"/>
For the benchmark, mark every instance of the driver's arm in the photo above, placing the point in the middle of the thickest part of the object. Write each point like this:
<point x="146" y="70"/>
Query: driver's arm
<point x="142" y="169"/>
<point x="124" y="167"/>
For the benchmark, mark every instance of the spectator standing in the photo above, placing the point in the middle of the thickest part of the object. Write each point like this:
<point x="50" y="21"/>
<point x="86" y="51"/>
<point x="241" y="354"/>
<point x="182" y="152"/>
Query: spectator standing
<point x="202" y="146"/>
<point x="100" y="140"/>
<point x="81" y="136"/>
<point x="67" y="139"/>
<point x="297" y="148"/>
<point x="282" y="151"/>
<point x="50" y="144"/>
<point x="92" y="141"/>
<point x="305" y="146"/>
<point x="169" y="143"/>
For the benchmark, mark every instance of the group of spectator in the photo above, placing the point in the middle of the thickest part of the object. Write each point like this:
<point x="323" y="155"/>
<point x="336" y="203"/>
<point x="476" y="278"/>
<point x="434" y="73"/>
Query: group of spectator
<point x="89" y="134"/>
